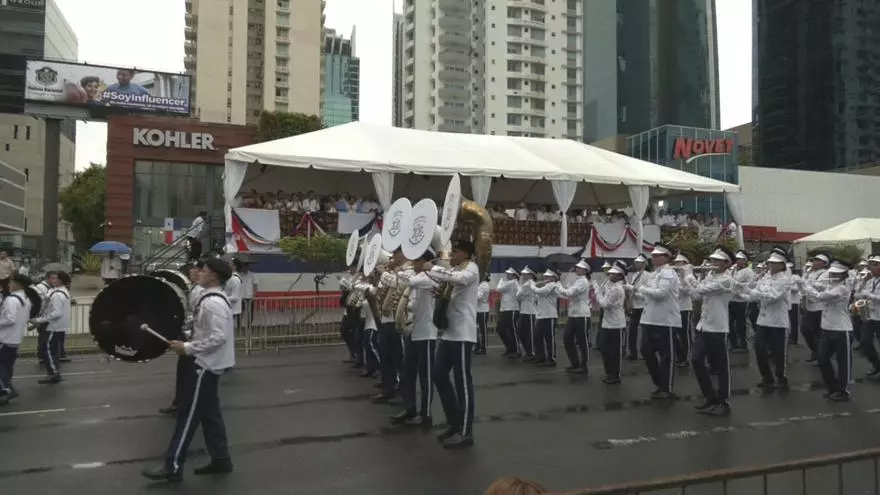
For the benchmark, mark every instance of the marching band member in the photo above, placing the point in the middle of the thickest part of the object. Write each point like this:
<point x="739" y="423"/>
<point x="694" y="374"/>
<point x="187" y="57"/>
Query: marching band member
<point x="234" y="291"/>
<point x="611" y="296"/>
<point x="372" y="358"/>
<point x="742" y="275"/>
<point x="576" y="335"/>
<point x="213" y="348"/>
<point x="870" y="293"/>
<point x="605" y="267"/>
<point x="771" y="292"/>
<point x="637" y="279"/>
<point x="15" y="312"/>
<point x="547" y="292"/>
<point x="685" y="303"/>
<point x="348" y="329"/>
<point x="508" y="313"/>
<point x="483" y="293"/>
<point x="528" y="308"/>
<point x="57" y="315"/>
<point x="457" y="343"/>
<point x="816" y="277"/>
<point x="43" y="288"/>
<point x="390" y="338"/>
<point x="836" y="325"/>
<point x="660" y="316"/>
<point x="421" y="345"/>
<point x="858" y="278"/>
<point x="710" y="339"/>
<point x="794" y="314"/>
<point x="184" y="362"/>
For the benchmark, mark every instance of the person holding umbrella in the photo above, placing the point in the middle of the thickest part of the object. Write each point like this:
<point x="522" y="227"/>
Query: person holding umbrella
<point x="111" y="268"/>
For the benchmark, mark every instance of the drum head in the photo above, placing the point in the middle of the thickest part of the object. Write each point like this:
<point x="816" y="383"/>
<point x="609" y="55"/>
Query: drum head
<point x="351" y="252"/>
<point x="419" y="231"/>
<point x="373" y="252"/>
<point x="393" y="224"/>
<point x="175" y="277"/>
<point x="36" y="301"/>
<point x="122" y="307"/>
<point x="450" y="209"/>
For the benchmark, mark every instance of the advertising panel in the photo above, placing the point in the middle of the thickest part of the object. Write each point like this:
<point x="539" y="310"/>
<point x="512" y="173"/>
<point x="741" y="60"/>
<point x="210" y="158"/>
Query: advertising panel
<point x="97" y="87"/>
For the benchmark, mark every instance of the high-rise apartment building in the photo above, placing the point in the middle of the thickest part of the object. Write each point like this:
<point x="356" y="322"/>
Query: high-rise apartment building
<point x="246" y="56"/>
<point x="504" y="67"/>
<point x="342" y="71"/>
<point x="397" y="73"/>
<point x="649" y="63"/>
<point x="817" y="84"/>
<point x="34" y="30"/>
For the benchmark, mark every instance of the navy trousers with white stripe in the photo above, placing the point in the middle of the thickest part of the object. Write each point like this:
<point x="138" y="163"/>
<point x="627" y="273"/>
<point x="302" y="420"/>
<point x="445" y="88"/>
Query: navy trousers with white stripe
<point x="457" y="398"/>
<point x="8" y="355"/>
<point x="610" y="344"/>
<point x="507" y="330"/>
<point x="711" y="348"/>
<point x="771" y="344"/>
<point x="657" y="351"/>
<point x="51" y="352"/>
<point x="199" y="406"/>
<point x="525" y="328"/>
<point x="418" y="363"/>
<point x="483" y="331"/>
<point x="575" y="338"/>
<point x="391" y="357"/>
<point x="372" y="361"/>
<point x="838" y="344"/>
<point x="546" y="342"/>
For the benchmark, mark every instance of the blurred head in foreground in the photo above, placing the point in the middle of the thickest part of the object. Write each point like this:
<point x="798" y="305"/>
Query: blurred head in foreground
<point x="515" y="486"/>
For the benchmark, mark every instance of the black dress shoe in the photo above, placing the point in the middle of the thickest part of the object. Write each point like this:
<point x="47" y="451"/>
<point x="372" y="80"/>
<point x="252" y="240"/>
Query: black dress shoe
<point x="422" y="421"/>
<point x="64" y="360"/>
<point x="367" y="374"/>
<point x="839" y="397"/>
<point x="214" y="467"/>
<point x="168" y="410"/>
<point x="547" y="364"/>
<point x="381" y="398"/>
<point x="611" y="380"/>
<point x="162" y="474"/>
<point x="708" y="404"/>
<point x="403" y="417"/>
<point x="577" y="371"/>
<point x="449" y="433"/>
<point x="719" y="410"/>
<point x="458" y="441"/>
<point x="4" y="399"/>
<point x="50" y="380"/>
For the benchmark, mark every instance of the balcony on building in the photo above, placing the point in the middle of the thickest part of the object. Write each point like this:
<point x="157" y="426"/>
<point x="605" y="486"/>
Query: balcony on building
<point x="189" y="32"/>
<point x="454" y="112"/>
<point x="282" y="7"/>
<point x="450" y="74"/>
<point x="454" y="22"/>
<point x="282" y="69"/>
<point x="189" y="47"/>
<point x="454" y="92"/>
<point x="452" y="38"/>
<point x="455" y="58"/>
<point x="189" y="62"/>
<point x="449" y="6"/>
<point x="454" y="127"/>
<point x="527" y="22"/>
<point x="533" y="4"/>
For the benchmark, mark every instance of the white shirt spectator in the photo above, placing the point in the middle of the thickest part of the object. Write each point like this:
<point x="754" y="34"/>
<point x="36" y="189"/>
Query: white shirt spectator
<point x="248" y="285"/>
<point x="111" y="268"/>
<point x="521" y="214"/>
<point x="195" y="231"/>
<point x="233" y="292"/>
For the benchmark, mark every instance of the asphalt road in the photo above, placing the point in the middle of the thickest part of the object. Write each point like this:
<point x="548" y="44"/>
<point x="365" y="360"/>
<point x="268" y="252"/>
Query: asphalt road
<point x="299" y="422"/>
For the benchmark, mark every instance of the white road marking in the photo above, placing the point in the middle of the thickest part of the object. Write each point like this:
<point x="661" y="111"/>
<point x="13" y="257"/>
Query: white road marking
<point x="75" y="373"/>
<point x="89" y="465"/>
<point x="294" y="391"/>
<point x="52" y="411"/>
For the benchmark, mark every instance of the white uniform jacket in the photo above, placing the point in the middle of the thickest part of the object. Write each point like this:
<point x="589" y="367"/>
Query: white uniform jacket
<point x="611" y="296"/>
<point x="483" y="292"/>
<point x="508" y="290"/>
<point x="421" y="307"/>
<point x="548" y="297"/>
<point x="462" y="312"/>
<point x="661" y="294"/>
<point x="835" y="297"/>
<point x="772" y="293"/>
<point x="637" y="280"/>
<point x="685" y="298"/>
<point x="15" y="311"/>
<point x="578" y="295"/>
<point x="528" y="301"/>
<point x="871" y="293"/>
<point x="233" y="292"/>
<point x="213" y="336"/>
<point x="57" y="313"/>
<point x="742" y="276"/>
<point x="817" y="279"/>
<point x="716" y="291"/>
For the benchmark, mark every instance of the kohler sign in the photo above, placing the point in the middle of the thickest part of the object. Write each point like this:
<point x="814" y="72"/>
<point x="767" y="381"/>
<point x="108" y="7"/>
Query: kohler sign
<point x="155" y="138"/>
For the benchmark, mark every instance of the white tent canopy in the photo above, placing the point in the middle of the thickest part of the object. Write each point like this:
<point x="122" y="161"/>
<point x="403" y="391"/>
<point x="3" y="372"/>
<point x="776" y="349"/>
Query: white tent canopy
<point x="859" y="232"/>
<point x="530" y="170"/>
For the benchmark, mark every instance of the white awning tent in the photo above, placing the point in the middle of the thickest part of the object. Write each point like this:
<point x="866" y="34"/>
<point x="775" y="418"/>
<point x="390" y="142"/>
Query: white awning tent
<point x="529" y="170"/>
<point x="859" y="232"/>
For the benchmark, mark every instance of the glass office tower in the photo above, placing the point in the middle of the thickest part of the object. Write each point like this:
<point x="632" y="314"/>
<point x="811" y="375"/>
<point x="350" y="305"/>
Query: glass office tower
<point x="341" y="80"/>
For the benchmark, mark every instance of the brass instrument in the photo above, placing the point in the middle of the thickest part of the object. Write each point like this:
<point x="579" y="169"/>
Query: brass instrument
<point x="862" y="309"/>
<point x="402" y="315"/>
<point x="393" y="295"/>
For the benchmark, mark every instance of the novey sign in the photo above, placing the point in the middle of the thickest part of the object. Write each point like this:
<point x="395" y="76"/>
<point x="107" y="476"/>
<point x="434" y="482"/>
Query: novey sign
<point x="155" y="138"/>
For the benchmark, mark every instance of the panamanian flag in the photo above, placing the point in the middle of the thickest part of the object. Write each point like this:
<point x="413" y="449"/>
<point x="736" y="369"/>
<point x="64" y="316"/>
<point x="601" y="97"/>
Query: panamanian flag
<point x="173" y="228"/>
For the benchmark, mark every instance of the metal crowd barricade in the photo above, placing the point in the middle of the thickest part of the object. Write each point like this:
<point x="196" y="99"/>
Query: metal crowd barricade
<point x="837" y="474"/>
<point x="279" y="322"/>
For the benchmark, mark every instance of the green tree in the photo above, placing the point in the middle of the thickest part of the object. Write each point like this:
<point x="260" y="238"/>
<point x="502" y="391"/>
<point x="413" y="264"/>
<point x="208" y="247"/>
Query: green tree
<point x="82" y="204"/>
<point x="326" y="253"/>
<point x="689" y="243"/>
<point x="277" y="125"/>
<point x="849" y="253"/>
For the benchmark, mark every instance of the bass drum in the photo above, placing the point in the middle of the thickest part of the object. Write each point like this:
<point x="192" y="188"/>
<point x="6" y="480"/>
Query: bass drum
<point x="122" y="307"/>
<point x="175" y="277"/>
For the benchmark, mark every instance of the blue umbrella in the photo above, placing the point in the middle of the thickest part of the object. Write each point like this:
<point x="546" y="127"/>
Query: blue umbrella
<point x="107" y="246"/>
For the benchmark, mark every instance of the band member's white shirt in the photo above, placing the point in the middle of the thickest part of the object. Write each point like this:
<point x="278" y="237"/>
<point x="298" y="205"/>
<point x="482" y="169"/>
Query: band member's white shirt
<point x="483" y="292"/>
<point x="111" y="268"/>
<point x="233" y="292"/>
<point x="742" y="276"/>
<point x="660" y="290"/>
<point x="248" y="285"/>
<point x="345" y="283"/>
<point x="366" y="311"/>
<point x="578" y="295"/>
<point x="14" y="314"/>
<point x="685" y="298"/>
<point x="194" y="294"/>
<point x="818" y="279"/>
<point x="57" y="314"/>
<point x="548" y="296"/>
<point x="871" y="293"/>
<point x="421" y="306"/>
<point x="796" y="283"/>
<point x="462" y="312"/>
<point x="528" y="301"/>
<point x="43" y="290"/>
<point x="387" y="280"/>
<point x="772" y="292"/>
<point x="638" y="279"/>
<point x="611" y="297"/>
<point x="213" y="335"/>
<point x="835" y="297"/>
<point x="508" y="289"/>
<point x="716" y="291"/>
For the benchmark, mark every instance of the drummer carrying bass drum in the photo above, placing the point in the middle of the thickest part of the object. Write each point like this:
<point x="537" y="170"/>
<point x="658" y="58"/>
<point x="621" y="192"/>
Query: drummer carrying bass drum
<point x="184" y="363"/>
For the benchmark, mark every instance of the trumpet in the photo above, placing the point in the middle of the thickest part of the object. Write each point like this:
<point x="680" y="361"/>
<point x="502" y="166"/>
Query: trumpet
<point x="862" y="309"/>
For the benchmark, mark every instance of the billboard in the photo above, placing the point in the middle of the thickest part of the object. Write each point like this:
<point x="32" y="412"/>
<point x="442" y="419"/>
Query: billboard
<point x="97" y="87"/>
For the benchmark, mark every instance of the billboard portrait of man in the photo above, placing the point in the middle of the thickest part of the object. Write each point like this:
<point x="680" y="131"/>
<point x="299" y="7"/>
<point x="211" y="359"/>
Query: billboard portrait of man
<point x="125" y="86"/>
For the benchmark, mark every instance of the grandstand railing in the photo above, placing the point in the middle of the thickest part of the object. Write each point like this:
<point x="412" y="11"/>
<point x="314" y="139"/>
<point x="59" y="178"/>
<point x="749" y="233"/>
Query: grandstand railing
<point x="836" y="474"/>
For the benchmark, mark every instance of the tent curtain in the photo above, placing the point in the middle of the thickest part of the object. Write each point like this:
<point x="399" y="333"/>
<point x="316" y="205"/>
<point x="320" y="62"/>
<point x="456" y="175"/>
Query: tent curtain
<point x="480" y="187"/>
<point x="639" y="196"/>
<point x="233" y="178"/>
<point x="564" y="191"/>
<point x="384" y="184"/>
<point x="734" y="204"/>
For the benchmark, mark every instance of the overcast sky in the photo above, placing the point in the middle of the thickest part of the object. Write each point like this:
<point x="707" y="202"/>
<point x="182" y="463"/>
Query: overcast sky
<point x="153" y="39"/>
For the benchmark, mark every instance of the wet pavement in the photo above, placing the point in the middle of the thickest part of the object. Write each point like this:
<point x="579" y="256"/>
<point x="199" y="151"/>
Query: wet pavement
<point x="299" y="422"/>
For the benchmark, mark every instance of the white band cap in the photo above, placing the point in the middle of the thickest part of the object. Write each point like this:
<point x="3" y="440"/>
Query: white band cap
<point x="606" y="265"/>
<point x="837" y="267"/>
<point x="616" y="269"/>
<point x="681" y="259"/>
<point x="550" y="273"/>
<point x="776" y="258"/>
<point x="511" y="271"/>
<point x="720" y="255"/>
<point x="660" y="250"/>
<point x="740" y="255"/>
<point x="582" y="264"/>
<point x="527" y="271"/>
<point x="641" y="259"/>
<point x="874" y="258"/>
<point x="822" y="257"/>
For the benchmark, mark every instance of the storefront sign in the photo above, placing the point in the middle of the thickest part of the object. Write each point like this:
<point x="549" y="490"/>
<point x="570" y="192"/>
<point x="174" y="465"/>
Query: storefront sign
<point x="689" y="149"/>
<point x="155" y="138"/>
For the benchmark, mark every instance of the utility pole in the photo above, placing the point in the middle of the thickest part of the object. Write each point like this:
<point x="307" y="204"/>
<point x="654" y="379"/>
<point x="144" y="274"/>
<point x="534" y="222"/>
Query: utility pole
<point x="51" y="173"/>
